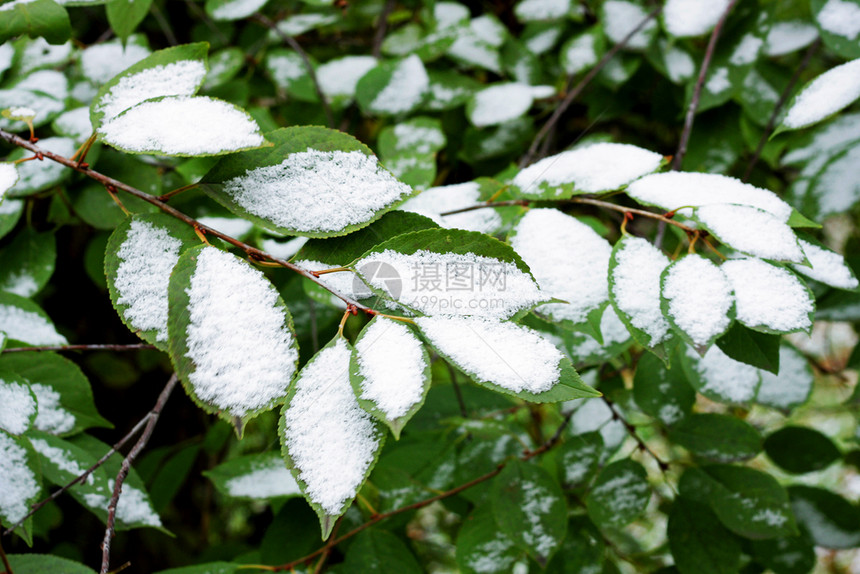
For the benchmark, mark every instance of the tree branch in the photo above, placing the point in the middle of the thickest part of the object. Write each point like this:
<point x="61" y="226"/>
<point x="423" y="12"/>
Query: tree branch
<point x="574" y="93"/>
<point x="126" y="467"/>
<point x="252" y="252"/>
<point x="6" y="565"/>
<point x="131" y="347"/>
<point x="697" y="89"/>
<point x="381" y="28"/>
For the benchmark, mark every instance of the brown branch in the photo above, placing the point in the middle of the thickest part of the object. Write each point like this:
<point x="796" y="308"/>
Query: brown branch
<point x="83" y="476"/>
<point x="309" y="67"/>
<point x="381" y="28"/>
<point x="251" y="251"/>
<point x="132" y="347"/>
<point x="697" y="89"/>
<point x="583" y="83"/>
<point x="771" y="123"/>
<point x="3" y="557"/>
<point x="126" y="467"/>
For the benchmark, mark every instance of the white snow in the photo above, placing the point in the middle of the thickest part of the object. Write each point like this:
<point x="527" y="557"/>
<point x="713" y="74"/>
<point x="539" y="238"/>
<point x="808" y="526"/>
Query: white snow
<point x="102" y="62"/>
<point x="468" y="47"/>
<point x="44" y="105"/>
<point x="147" y="257"/>
<point x="39" y="54"/>
<point x="751" y="230"/>
<point x="634" y="284"/>
<point x="542" y="42"/>
<point x="500" y="103"/>
<point x="718" y="81"/>
<point x="18" y="484"/>
<point x="768" y="296"/>
<point x="579" y="54"/>
<point x="134" y="506"/>
<point x="837" y="187"/>
<point x="48" y="82"/>
<point x="418" y="138"/>
<point x="244" y="356"/>
<point x="489" y="29"/>
<point x="828" y="267"/>
<point x="20" y="283"/>
<point x="301" y="23"/>
<point x="339" y="77"/>
<point x="330" y="439"/>
<point x="746" y="51"/>
<point x="827" y="139"/>
<point x="183" y="125"/>
<point x="532" y="10"/>
<point x="679" y="64"/>
<point x="36" y="175"/>
<point x="404" y="90"/>
<point x="181" y="78"/>
<point x="391" y="361"/>
<point x="787" y="37"/>
<point x="10" y="206"/>
<point x="840" y="17"/>
<point x="793" y="384"/>
<point x="825" y="95"/>
<point x="344" y="282"/>
<point x="621" y="18"/>
<point x="59" y="458"/>
<point x="726" y="378"/>
<point x="267" y="480"/>
<point x="232" y="226"/>
<point x="28" y="327"/>
<point x="687" y="18"/>
<point x="431" y="202"/>
<point x="511" y="356"/>
<point x="538" y="501"/>
<point x="236" y="9"/>
<point x="592" y="168"/>
<point x="317" y="191"/>
<point x="52" y="417"/>
<point x="19" y="113"/>
<point x="453" y="284"/>
<point x="568" y="259"/>
<point x="675" y="189"/>
<point x="8" y="177"/>
<point x="17" y="406"/>
<point x="699" y="297"/>
<point x="75" y="124"/>
<point x="285" y="66"/>
<point x="283" y="250"/>
<point x="623" y="494"/>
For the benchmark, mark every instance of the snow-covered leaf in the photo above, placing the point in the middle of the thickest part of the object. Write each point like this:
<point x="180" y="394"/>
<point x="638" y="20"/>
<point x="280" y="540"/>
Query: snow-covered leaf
<point x="505" y="357"/>
<point x="223" y="66"/>
<point x="621" y="17"/>
<point x="697" y="299"/>
<point x="315" y="182"/>
<point x="721" y="378"/>
<point x="538" y="10"/>
<point x="36" y="18"/>
<point x="227" y="10"/>
<point x="330" y="443"/>
<point x="673" y="190"/>
<point x="793" y="385"/>
<point x="339" y="78"/>
<point x="230" y="335"/>
<point x="828" y="267"/>
<point x="27" y="263"/>
<point x="35" y="176"/>
<point x="46" y="107"/>
<point x="789" y="36"/>
<point x="688" y="18"/>
<point x="393" y="88"/>
<point x="822" y="97"/>
<point x="10" y="213"/>
<point x="582" y="51"/>
<point x="587" y="169"/>
<point x="839" y="23"/>
<point x="634" y="288"/>
<point x="419" y="135"/>
<point x="557" y="248"/>
<point x="74" y="124"/>
<point x="24" y="321"/>
<point x="501" y="103"/>
<point x="437" y="200"/>
<point x="390" y="372"/>
<point x="619" y="494"/>
<point x="101" y="62"/>
<point x="450" y="272"/>
<point x="750" y="230"/>
<point x="19" y="482"/>
<point x="255" y="476"/>
<point x="8" y="178"/>
<point x="448" y="90"/>
<point x="17" y="403"/>
<point x="482" y="548"/>
<point x="139" y="257"/>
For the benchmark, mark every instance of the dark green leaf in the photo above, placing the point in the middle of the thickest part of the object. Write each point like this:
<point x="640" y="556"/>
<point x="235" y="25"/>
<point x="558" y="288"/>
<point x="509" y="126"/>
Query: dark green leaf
<point x="42" y="563"/>
<point x="255" y="477"/>
<point x="377" y="550"/>
<point x="754" y="348"/>
<point x="125" y="15"/>
<point x="483" y="547"/>
<point x="717" y="437"/>
<point x="829" y="519"/>
<point x="661" y="392"/>
<point x="208" y="568"/>
<point x="800" y="450"/>
<point x="791" y="555"/>
<point x="583" y="549"/>
<point x="407" y="78"/>
<point x="290" y="523"/>
<point x="43" y="18"/>
<point x="699" y="543"/>
<point x="579" y="457"/>
<point x="619" y="494"/>
<point x="27" y="263"/>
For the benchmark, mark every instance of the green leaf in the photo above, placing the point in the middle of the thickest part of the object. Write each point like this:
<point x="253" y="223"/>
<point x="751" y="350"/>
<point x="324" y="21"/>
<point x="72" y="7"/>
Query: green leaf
<point x="792" y="386"/>
<point x="125" y="15"/>
<point x="822" y="97"/>
<point x="27" y="263"/>
<point x="223" y="66"/>
<point x="619" y="494"/>
<point x="483" y="547"/>
<point x="832" y="22"/>
<point x="63" y="392"/>
<point x="43" y="18"/>
<point x="139" y="258"/>
<point x="10" y="213"/>
<point x="31" y="326"/>
<point x="20" y="483"/>
<point x="699" y="543"/>
<point x="799" y="450"/>
<point x="761" y="350"/>
<point x="41" y="563"/>
<point x="789" y="555"/>
<point x="390" y="372"/>
<point x="289" y="523"/>
<point x="579" y="458"/>
<point x="662" y="392"/>
<point x="798" y="220"/>
<point x="315" y="182"/>
<point x="207" y="568"/>
<point x="393" y="88"/>
<point x="530" y="509"/>
<point x="449" y="90"/>
<point x="582" y="551"/>
<point x="377" y="550"/>
<point x="259" y="476"/>
<point x="829" y="519"/>
<point x="20" y="401"/>
<point x="227" y="10"/>
<point x="35" y="176"/>
<point x="329" y="443"/>
<point x="717" y="437"/>
<point x="230" y="335"/>
<point x="419" y="135"/>
<point x="721" y="378"/>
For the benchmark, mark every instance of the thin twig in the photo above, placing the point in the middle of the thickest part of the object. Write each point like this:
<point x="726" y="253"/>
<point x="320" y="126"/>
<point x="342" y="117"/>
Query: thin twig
<point x="381" y="28"/>
<point x="132" y="347"/>
<point x="697" y="89"/>
<point x="5" y="560"/>
<point x="309" y="67"/>
<point x="249" y="250"/>
<point x="583" y="83"/>
<point x="631" y="430"/>
<point x="164" y="24"/>
<point x="329" y="545"/>
<point x="126" y="467"/>
<point x="452" y="372"/>
<point x="771" y="123"/>
<point x="83" y="476"/>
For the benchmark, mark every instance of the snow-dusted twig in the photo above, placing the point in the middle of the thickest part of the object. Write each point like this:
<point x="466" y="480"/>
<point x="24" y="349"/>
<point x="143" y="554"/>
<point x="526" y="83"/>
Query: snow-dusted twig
<point x="583" y="83"/>
<point x="60" y="348"/>
<point x="152" y="419"/>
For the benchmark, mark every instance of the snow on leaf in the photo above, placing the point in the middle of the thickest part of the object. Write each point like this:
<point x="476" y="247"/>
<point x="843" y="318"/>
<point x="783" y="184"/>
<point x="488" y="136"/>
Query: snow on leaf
<point x="687" y="18"/>
<point x="577" y="252"/>
<point x="226" y="10"/>
<point x="634" y="286"/>
<point x="183" y="126"/>
<point x="721" y="378"/>
<point x="436" y="200"/>
<point x="500" y="103"/>
<point x="824" y="96"/>
<point x="591" y="169"/>
<point x="536" y="10"/>
<point x="22" y="320"/>
<point x="840" y="17"/>
<point x="580" y="52"/>
<point x="35" y="176"/>
<point x="404" y="87"/>
<point x="792" y="386"/>
<point x="787" y="37"/>
<point x="52" y="417"/>
<point x="101" y="62"/>
<point x="74" y="124"/>
<point x="620" y="18"/>
<point x="697" y="298"/>
<point x="750" y="230"/>
<point x="17" y="404"/>
<point x="8" y="178"/>
<point x="230" y="333"/>
<point x="256" y="476"/>
<point x="338" y="78"/>
<point x="331" y="442"/>
<point x="18" y="483"/>
<point x="828" y="267"/>
<point x="675" y="189"/>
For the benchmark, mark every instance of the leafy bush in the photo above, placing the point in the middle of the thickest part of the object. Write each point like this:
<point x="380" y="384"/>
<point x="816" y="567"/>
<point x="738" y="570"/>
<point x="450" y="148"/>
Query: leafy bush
<point x="523" y="288"/>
